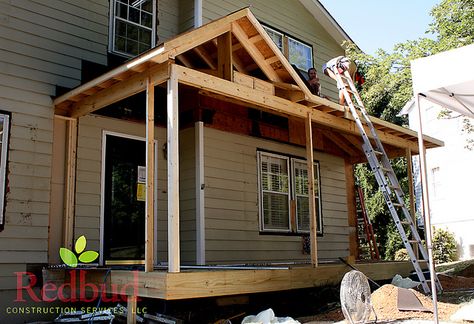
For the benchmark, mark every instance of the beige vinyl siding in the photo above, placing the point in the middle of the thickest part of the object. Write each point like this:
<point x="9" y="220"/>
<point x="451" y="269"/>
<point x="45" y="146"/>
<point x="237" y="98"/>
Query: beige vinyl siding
<point x="88" y="185"/>
<point x="290" y="17"/>
<point x="231" y="201"/>
<point x="168" y="15"/>
<point x="187" y="192"/>
<point x="42" y="44"/>
<point x="186" y="15"/>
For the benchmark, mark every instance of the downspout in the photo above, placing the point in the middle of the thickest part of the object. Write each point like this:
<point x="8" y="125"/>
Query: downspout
<point x="426" y="207"/>
<point x="197" y="13"/>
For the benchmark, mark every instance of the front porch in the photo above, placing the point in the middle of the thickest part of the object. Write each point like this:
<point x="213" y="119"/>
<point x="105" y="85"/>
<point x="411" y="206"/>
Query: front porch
<point x="212" y="281"/>
<point x="245" y="71"/>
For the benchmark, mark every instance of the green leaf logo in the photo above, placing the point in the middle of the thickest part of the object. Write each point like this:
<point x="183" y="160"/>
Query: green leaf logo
<point x="70" y="258"/>
<point x="88" y="256"/>
<point x="80" y="244"/>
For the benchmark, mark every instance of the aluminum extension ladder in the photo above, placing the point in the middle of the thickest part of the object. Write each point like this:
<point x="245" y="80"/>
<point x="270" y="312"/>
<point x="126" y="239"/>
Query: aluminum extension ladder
<point x="385" y="176"/>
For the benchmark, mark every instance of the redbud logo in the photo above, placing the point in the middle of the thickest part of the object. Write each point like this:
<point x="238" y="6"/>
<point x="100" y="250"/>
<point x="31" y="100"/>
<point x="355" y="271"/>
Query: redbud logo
<point x="71" y="259"/>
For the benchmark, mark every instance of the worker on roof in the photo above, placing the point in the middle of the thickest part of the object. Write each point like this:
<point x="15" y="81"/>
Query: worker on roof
<point x="313" y="82"/>
<point x="342" y="63"/>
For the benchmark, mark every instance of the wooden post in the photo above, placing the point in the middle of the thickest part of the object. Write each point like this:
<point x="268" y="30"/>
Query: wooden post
<point x="173" y="172"/>
<point x="131" y="309"/>
<point x="200" y="218"/>
<point x="224" y="56"/>
<point x="150" y="176"/>
<point x="351" y="210"/>
<point x="411" y="192"/>
<point x="70" y="185"/>
<point x="312" y="206"/>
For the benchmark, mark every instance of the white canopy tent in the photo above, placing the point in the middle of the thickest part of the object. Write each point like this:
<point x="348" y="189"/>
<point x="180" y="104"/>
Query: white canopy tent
<point x="447" y="79"/>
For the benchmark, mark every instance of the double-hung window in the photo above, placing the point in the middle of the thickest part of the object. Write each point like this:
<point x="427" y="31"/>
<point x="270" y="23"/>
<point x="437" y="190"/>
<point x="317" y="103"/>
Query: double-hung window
<point x="4" y="130"/>
<point x="297" y="52"/>
<point x="132" y="26"/>
<point x="284" y="195"/>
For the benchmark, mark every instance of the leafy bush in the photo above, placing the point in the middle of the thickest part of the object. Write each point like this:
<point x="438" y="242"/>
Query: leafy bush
<point x="402" y="255"/>
<point x="444" y="246"/>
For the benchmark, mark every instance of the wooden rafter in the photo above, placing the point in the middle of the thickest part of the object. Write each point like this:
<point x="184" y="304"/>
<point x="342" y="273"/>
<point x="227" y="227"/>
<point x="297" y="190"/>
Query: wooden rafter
<point x="250" y="47"/>
<point x="204" y="55"/>
<point x="119" y="91"/>
<point x="342" y="143"/>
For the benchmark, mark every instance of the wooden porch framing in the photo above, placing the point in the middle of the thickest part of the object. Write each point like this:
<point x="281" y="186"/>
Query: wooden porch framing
<point x="243" y="50"/>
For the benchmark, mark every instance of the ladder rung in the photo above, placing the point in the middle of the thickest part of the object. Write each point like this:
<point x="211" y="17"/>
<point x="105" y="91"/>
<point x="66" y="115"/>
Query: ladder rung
<point x="398" y="204"/>
<point x="405" y="222"/>
<point x="378" y="152"/>
<point x="412" y="241"/>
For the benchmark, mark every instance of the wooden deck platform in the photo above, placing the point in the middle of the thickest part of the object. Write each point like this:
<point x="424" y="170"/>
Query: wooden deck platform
<point x="208" y="282"/>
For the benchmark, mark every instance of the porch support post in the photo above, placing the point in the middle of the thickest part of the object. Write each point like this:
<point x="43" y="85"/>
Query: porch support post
<point x="131" y="309"/>
<point x="150" y="177"/>
<point x="173" y="172"/>
<point x="426" y="207"/>
<point x="200" y="218"/>
<point x="312" y="207"/>
<point x="70" y="185"/>
<point x="411" y="193"/>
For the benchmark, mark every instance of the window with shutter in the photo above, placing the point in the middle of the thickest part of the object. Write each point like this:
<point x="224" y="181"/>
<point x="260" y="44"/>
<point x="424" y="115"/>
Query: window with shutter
<point x="278" y="188"/>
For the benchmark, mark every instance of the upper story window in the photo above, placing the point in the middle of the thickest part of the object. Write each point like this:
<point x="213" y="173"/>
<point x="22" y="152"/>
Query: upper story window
<point x="284" y="195"/>
<point x="4" y="135"/>
<point x="132" y="26"/>
<point x="297" y="52"/>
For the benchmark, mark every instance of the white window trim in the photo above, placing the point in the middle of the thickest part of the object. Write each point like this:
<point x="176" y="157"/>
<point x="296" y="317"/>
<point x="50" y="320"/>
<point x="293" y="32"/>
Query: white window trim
<point x="279" y="33"/>
<point x="291" y="193"/>
<point x="260" y="192"/>
<point x="112" y="28"/>
<point x="3" y="165"/>
<point x="319" y="217"/>
<point x="285" y="45"/>
<point x="305" y="45"/>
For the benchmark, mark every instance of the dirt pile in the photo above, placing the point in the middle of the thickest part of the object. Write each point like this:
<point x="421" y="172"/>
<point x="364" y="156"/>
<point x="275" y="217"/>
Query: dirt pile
<point x="384" y="301"/>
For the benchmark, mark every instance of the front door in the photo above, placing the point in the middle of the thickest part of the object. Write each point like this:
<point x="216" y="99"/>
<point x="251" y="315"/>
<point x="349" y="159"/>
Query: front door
<point x="124" y="200"/>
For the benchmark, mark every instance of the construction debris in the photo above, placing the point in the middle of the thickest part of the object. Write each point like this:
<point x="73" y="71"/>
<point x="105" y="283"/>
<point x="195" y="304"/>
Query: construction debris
<point x="268" y="317"/>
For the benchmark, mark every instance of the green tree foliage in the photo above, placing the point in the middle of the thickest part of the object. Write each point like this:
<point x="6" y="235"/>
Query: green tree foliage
<point x="444" y="246"/>
<point x="388" y="87"/>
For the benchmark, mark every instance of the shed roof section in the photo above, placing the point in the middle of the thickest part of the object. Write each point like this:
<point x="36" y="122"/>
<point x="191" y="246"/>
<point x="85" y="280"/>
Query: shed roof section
<point x="231" y="57"/>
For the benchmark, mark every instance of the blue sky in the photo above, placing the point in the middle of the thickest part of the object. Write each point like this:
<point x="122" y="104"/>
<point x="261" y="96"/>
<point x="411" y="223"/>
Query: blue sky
<point x="374" y="24"/>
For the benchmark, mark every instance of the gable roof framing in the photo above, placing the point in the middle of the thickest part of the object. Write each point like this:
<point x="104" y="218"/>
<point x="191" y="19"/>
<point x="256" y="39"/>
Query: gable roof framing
<point x="228" y="57"/>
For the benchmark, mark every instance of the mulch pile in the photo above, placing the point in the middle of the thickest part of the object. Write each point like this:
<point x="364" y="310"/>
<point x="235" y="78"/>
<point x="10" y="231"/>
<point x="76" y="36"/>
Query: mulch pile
<point x="384" y="301"/>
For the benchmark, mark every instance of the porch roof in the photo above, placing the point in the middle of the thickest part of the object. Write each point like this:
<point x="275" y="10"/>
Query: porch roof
<point x="234" y="59"/>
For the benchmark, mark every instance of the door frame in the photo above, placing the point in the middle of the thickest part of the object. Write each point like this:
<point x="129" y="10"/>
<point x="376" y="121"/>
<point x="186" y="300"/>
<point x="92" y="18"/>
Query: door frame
<point x="102" y="194"/>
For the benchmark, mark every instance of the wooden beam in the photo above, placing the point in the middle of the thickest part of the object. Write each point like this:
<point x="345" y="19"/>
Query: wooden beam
<point x="173" y="171"/>
<point x="150" y="176"/>
<point x="224" y="56"/>
<point x="277" y="104"/>
<point x="341" y="142"/>
<point x="120" y="90"/>
<point x="205" y="57"/>
<point x="351" y="210"/>
<point x="131" y="309"/>
<point x="70" y="183"/>
<point x="253" y="51"/>
<point x="184" y="60"/>
<point x="312" y="207"/>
